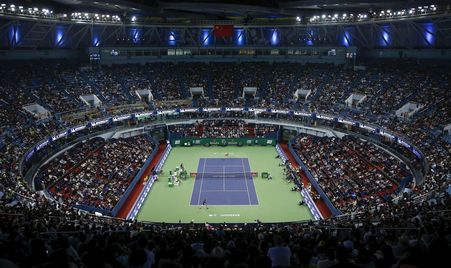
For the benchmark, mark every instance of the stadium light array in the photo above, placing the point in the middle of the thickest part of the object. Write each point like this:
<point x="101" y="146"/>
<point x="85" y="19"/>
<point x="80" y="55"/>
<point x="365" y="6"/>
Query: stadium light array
<point x="345" y="17"/>
<point x="421" y="10"/>
<point x="94" y="17"/>
<point x="48" y="13"/>
<point x="323" y="18"/>
<point x="21" y="10"/>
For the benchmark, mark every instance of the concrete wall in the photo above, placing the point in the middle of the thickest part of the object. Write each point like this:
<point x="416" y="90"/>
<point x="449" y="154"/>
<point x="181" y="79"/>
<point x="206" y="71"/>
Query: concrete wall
<point x="432" y="54"/>
<point x="42" y="54"/>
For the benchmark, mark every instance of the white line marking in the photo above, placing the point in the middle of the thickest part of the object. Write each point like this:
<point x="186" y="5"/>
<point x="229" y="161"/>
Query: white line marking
<point x="245" y="179"/>
<point x="224" y="165"/>
<point x="253" y="183"/>
<point x="201" y="181"/>
<point x="221" y="191"/>
<point x="211" y="205"/>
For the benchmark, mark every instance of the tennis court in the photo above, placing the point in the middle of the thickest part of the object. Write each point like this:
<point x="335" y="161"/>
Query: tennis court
<point x="224" y="181"/>
<point x="276" y="201"/>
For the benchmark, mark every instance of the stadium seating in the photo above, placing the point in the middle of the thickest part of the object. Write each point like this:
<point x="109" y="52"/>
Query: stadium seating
<point x="374" y="232"/>
<point x="96" y="173"/>
<point x="223" y="129"/>
<point x="350" y="171"/>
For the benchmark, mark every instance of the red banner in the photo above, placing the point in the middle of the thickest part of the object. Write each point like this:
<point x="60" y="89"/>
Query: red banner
<point x="223" y="30"/>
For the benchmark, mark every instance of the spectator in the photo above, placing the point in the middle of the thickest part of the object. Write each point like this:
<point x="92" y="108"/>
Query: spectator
<point x="280" y="255"/>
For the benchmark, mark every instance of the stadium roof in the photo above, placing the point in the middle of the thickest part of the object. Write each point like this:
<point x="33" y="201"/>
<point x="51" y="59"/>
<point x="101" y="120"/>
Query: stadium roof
<point x="229" y="9"/>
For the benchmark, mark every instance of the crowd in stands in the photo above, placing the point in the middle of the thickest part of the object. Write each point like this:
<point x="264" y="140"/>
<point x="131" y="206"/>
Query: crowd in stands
<point x="97" y="172"/>
<point x="107" y="84"/>
<point x="220" y="128"/>
<point x="59" y="87"/>
<point x="34" y="231"/>
<point x="280" y="86"/>
<point x="224" y="79"/>
<point x="350" y="171"/>
<point x="164" y="82"/>
<point x="225" y="129"/>
<point x="407" y="234"/>
<point x="265" y="130"/>
<point x="65" y="162"/>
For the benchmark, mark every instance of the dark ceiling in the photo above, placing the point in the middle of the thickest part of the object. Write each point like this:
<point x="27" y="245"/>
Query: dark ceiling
<point x="217" y="9"/>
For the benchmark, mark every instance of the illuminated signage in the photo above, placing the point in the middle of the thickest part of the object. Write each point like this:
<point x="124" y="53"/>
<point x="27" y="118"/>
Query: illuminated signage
<point x="42" y="145"/>
<point x="143" y="114"/>
<point x="59" y="136"/>
<point x="75" y="129"/>
<point x="121" y="118"/>
<point x="101" y="122"/>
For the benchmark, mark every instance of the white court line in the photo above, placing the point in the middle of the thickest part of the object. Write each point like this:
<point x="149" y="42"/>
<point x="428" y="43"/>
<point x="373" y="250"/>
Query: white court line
<point x="231" y="205"/>
<point x="245" y="179"/>
<point x="222" y="191"/>
<point x="201" y="181"/>
<point x="253" y="183"/>
<point x="224" y="165"/>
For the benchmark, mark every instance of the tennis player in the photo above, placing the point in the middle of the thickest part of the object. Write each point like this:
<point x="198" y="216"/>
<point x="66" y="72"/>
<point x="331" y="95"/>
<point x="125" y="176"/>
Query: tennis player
<point x="204" y="204"/>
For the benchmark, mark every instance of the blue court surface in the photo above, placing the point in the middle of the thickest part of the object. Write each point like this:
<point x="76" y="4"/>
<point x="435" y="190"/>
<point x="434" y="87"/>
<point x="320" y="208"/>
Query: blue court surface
<point x="224" y="181"/>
